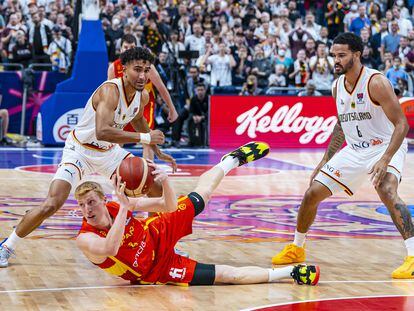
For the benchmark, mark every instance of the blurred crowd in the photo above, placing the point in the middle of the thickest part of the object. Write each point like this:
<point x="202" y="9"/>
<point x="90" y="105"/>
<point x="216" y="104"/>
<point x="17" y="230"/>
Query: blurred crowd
<point x="257" y="47"/>
<point x="37" y="31"/>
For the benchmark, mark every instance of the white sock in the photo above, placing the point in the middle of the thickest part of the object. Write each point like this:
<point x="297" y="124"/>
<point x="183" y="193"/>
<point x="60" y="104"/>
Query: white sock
<point x="279" y="273"/>
<point x="12" y="240"/>
<point x="409" y="244"/>
<point x="299" y="238"/>
<point x="228" y="164"/>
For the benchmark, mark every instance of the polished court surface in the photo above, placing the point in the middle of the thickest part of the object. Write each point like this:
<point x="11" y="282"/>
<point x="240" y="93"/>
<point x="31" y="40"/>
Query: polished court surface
<point x="251" y="217"/>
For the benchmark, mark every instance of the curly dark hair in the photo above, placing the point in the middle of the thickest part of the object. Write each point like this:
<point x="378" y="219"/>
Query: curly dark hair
<point x="137" y="53"/>
<point x="354" y="42"/>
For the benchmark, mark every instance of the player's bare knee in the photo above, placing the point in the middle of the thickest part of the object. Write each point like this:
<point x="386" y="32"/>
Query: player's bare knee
<point x="49" y="207"/>
<point x="387" y="192"/>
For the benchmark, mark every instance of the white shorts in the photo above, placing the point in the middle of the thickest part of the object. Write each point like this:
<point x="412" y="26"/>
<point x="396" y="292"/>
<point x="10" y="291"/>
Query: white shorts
<point x="79" y="160"/>
<point x="348" y="169"/>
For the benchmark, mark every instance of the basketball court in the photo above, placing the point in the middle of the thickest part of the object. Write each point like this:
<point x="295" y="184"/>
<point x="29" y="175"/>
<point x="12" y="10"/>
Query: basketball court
<point x="251" y="217"/>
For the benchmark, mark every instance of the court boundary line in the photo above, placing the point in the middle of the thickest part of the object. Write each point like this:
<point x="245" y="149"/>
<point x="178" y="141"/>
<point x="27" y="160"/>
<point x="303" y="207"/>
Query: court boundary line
<point x="325" y="299"/>
<point x="74" y="288"/>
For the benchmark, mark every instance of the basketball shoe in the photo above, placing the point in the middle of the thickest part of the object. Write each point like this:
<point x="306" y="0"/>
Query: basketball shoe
<point x="5" y="254"/>
<point x="249" y="152"/>
<point x="290" y="254"/>
<point x="406" y="270"/>
<point x="303" y="274"/>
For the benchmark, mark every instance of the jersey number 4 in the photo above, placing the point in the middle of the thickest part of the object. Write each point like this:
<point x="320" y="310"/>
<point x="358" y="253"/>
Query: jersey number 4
<point x="358" y="131"/>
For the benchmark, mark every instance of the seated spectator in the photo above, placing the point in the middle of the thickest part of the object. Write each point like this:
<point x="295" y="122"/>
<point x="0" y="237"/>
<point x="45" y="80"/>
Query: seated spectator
<point x="366" y="57"/>
<point x="310" y="90"/>
<point x="250" y="87"/>
<point x="221" y="65"/>
<point x="282" y="58"/>
<point x="387" y="63"/>
<point x="193" y="79"/>
<point x="197" y="123"/>
<point x="310" y="48"/>
<point x="278" y="79"/>
<point x="402" y="86"/>
<point x="22" y="51"/>
<point x="60" y="50"/>
<point x="321" y="66"/>
<point x="396" y="71"/>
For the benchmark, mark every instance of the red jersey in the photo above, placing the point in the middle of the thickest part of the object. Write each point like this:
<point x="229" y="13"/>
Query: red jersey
<point x="149" y="108"/>
<point x="146" y="254"/>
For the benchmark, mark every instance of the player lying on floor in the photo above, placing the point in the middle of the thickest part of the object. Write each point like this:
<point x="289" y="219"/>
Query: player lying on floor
<point x="142" y="251"/>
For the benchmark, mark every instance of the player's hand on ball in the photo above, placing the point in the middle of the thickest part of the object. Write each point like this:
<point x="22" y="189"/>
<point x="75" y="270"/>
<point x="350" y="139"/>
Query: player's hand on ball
<point x="157" y="137"/>
<point x="120" y="190"/>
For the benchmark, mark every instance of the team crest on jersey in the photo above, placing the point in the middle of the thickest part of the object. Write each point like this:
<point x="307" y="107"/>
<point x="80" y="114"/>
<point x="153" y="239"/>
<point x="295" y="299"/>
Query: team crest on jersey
<point x="360" y="99"/>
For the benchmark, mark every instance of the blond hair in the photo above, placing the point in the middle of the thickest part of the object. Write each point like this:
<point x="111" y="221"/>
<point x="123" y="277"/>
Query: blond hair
<point x="87" y="186"/>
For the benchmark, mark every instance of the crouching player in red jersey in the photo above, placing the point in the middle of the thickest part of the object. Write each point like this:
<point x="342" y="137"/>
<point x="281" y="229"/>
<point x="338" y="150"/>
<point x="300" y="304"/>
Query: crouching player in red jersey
<point x="142" y="251"/>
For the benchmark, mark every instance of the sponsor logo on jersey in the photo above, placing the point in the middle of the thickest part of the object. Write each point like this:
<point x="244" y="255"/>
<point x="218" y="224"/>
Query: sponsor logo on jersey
<point x="338" y="173"/>
<point x="367" y="144"/>
<point x="182" y="207"/>
<point x="342" y="102"/>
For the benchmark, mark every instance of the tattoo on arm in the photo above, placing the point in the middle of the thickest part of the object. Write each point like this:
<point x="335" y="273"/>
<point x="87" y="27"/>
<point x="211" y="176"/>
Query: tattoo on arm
<point x="337" y="140"/>
<point x="402" y="220"/>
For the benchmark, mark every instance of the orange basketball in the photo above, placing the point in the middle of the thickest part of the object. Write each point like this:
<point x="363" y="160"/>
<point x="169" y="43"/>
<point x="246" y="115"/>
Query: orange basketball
<point x="137" y="176"/>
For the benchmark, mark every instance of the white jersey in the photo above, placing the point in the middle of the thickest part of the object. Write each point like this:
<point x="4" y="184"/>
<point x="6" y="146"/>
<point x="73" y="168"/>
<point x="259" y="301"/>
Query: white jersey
<point x="364" y="122"/>
<point x="84" y="131"/>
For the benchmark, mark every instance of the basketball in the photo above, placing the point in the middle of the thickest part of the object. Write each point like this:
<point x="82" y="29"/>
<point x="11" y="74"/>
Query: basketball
<point x="137" y="176"/>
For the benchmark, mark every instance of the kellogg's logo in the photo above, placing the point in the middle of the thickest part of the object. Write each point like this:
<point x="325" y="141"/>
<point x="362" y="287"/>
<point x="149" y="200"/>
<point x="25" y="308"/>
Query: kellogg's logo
<point x="287" y="120"/>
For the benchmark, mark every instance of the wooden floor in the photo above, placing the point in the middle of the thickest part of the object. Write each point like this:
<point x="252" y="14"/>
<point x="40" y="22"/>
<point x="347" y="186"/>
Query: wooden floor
<point x="353" y="241"/>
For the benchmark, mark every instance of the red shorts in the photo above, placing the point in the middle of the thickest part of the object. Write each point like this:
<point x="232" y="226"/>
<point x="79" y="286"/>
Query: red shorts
<point x="168" y="229"/>
<point x="148" y="115"/>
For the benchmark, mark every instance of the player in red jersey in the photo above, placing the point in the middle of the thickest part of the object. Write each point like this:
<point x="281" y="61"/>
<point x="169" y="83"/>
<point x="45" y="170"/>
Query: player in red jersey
<point x="115" y="70"/>
<point x="142" y="251"/>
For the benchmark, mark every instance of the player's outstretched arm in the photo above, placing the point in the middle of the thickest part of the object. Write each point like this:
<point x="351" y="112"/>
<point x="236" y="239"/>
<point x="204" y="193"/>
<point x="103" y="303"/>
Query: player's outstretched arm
<point x="382" y="93"/>
<point x="105" y="102"/>
<point x="165" y="95"/>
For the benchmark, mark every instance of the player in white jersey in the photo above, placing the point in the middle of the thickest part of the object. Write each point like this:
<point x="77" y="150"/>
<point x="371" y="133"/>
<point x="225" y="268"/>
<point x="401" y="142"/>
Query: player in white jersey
<point x="374" y="127"/>
<point x="93" y="146"/>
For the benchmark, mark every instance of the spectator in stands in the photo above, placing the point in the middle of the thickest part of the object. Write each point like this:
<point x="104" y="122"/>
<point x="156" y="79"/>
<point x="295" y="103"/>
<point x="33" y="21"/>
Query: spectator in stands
<point x="311" y="26"/>
<point x="42" y="14"/>
<point x="321" y="65"/>
<point x="334" y="15"/>
<point x="60" y="50"/>
<point x="9" y="35"/>
<point x="243" y="66"/>
<point x="250" y="87"/>
<point x="351" y="15"/>
<point x="22" y="51"/>
<point x="404" y="48"/>
<point x="404" y="25"/>
<point x="197" y="123"/>
<point x="298" y="37"/>
<point x="310" y="89"/>
<point x="323" y="37"/>
<point x="375" y="24"/>
<point x="261" y="66"/>
<point x="294" y="13"/>
<point x="152" y="36"/>
<point x="300" y="70"/>
<point x="196" y="42"/>
<point x="361" y="21"/>
<point x="377" y="39"/>
<point x="391" y="41"/>
<point x="366" y="57"/>
<point x="278" y="79"/>
<point x="174" y="46"/>
<point x="193" y="79"/>
<point x="282" y="58"/>
<point x="310" y="48"/>
<point x="4" y="120"/>
<point x="402" y="86"/>
<point x="397" y="71"/>
<point x="39" y="38"/>
<point x="221" y="65"/>
<point x="387" y="62"/>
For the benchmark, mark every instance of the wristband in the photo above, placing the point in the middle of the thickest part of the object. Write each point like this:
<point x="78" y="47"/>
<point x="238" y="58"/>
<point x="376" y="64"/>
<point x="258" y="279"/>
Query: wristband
<point x="144" y="138"/>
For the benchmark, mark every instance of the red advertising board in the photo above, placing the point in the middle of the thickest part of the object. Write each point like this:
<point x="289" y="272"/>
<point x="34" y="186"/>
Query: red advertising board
<point x="281" y="121"/>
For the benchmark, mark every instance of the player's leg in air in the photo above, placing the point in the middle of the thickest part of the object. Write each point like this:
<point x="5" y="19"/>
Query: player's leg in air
<point x="205" y="274"/>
